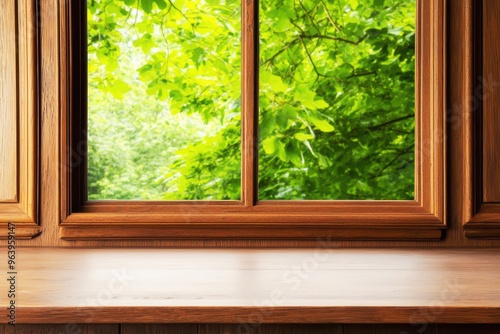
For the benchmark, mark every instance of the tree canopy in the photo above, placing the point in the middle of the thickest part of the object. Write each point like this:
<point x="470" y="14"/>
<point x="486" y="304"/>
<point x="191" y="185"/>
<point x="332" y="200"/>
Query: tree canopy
<point x="336" y="99"/>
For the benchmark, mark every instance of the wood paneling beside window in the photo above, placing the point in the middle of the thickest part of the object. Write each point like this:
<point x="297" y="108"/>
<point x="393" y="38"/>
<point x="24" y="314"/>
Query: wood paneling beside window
<point x="482" y="124"/>
<point x="263" y="329"/>
<point x="270" y="329"/>
<point x="18" y="118"/>
<point x="491" y="99"/>
<point x="419" y="328"/>
<point x="158" y="329"/>
<point x="8" y="104"/>
<point x="59" y="329"/>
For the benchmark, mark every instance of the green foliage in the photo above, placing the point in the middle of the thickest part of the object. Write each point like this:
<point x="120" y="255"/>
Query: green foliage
<point x="337" y="99"/>
<point x="336" y="117"/>
<point x="162" y="90"/>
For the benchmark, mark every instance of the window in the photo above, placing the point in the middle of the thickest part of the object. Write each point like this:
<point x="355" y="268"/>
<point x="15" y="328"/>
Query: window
<point x="261" y="210"/>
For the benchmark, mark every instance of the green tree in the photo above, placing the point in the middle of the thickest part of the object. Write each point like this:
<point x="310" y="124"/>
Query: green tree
<point x="336" y="116"/>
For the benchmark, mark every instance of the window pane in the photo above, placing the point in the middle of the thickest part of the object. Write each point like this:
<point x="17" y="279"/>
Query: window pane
<point x="337" y="99"/>
<point x="164" y="99"/>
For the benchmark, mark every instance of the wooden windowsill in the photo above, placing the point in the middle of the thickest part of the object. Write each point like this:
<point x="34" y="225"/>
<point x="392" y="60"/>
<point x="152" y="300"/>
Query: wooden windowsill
<point x="133" y="285"/>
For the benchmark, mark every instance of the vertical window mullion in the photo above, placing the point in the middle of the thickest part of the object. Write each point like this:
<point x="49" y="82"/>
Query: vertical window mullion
<point x="249" y="93"/>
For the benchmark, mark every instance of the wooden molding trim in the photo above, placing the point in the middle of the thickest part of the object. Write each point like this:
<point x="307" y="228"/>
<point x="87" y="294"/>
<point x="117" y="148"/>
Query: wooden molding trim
<point x="423" y="218"/>
<point x="248" y="231"/>
<point x="23" y="231"/>
<point x="482" y="220"/>
<point x="23" y="211"/>
<point x="235" y="315"/>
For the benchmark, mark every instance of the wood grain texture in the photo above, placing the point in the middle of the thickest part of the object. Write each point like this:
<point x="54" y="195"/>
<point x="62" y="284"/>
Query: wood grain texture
<point x="18" y="118"/>
<point x="249" y="98"/>
<point x="264" y="286"/>
<point x="491" y="102"/>
<point x="158" y="329"/>
<point x="50" y="109"/>
<point x="482" y="81"/>
<point x="417" y="328"/>
<point x="8" y="102"/>
<point x="256" y="328"/>
<point x="69" y="328"/>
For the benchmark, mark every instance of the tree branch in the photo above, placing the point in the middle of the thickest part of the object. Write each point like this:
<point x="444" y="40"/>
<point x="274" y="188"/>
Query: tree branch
<point x="310" y="58"/>
<point x="375" y="127"/>
<point x="330" y="17"/>
<point x="356" y="75"/>
<point x="339" y="39"/>
<point x="270" y="59"/>
<point x="308" y="15"/>
<point x="405" y="151"/>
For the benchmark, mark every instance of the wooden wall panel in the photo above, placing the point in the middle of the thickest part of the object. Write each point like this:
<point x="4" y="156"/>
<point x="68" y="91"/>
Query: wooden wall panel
<point x="468" y="329"/>
<point x="158" y="329"/>
<point x="60" y="329"/>
<point x="491" y="106"/>
<point x="18" y="118"/>
<point x="233" y="329"/>
<point x="270" y="329"/>
<point x="481" y="137"/>
<point x="8" y="102"/>
<point x="390" y="329"/>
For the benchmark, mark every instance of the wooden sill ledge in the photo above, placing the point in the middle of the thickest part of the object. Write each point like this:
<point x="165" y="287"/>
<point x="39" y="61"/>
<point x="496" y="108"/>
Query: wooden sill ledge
<point x="132" y="285"/>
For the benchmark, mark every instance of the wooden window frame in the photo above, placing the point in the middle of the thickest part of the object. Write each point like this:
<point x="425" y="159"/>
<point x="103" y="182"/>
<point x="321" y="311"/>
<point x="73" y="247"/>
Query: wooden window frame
<point x="422" y="218"/>
<point x="20" y="39"/>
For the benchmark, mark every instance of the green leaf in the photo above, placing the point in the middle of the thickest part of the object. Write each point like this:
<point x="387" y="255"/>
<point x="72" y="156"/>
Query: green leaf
<point x="287" y="113"/>
<point x="324" y="161"/>
<point x="293" y="154"/>
<point x="146" y="43"/>
<point x="267" y="124"/>
<point x="307" y="98"/>
<point x="274" y="81"/>
<point x="322" y="125"/>
<point x="161" y="4"/>
<point x="280" y="151"/>
<point x="147" y="5"/>
<point x="118" y="88"/>
<point x="198" y="55"/>
<point x="269" y="145"/>
<point x="303" y="136"/>
<point x="321" y="104"/>
<point x="282" y="25"/>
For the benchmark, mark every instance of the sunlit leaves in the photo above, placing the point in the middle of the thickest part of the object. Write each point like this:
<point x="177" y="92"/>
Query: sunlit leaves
<point x="346" y="76"/>
<point x="322" y="124"/>
<point x="336" y="99"/>
<point x="184" y="56"/>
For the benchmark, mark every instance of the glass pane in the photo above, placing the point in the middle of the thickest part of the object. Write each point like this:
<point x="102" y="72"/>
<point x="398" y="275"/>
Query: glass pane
<point x="164" y="99"/>
<point x="337" y="99"/>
